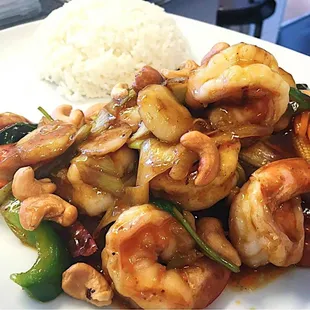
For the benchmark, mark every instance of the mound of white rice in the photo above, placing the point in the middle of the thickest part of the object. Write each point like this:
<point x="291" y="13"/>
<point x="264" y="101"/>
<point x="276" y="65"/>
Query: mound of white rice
<point x="88" y="46"/>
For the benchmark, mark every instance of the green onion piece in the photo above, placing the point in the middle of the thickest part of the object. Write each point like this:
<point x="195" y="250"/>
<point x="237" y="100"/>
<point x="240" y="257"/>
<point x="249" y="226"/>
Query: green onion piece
<point x="48" y="117"/>
<point x="301" y="101"/>
<point x="206" y="250"/>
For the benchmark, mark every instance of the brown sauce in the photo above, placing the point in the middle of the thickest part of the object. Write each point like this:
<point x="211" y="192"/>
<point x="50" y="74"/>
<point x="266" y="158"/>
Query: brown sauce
<point x="305" y="260"/>
<point x="250" y="279"/>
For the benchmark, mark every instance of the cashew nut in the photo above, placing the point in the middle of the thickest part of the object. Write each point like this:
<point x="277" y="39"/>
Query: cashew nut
<point x="146" y="76"/>
<point x="83" y="282"/>
<point x="66" y="114"/>
<point x="209" y="164"/>
<point x="120" y="92"/>
<point x="48" y="207"/>
<point x="184" y="70"/>
<point x="212" y="233"/>
<point x="25" y="185"/>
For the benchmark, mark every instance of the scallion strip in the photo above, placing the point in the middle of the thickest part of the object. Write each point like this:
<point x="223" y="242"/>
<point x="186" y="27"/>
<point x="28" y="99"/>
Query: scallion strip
<point x="205" y="249"/>
<point x="43" y="111"/>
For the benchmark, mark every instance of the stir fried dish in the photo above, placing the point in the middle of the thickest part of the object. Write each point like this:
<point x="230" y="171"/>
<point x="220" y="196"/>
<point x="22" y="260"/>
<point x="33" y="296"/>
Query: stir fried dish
<point x="159" y="196"/>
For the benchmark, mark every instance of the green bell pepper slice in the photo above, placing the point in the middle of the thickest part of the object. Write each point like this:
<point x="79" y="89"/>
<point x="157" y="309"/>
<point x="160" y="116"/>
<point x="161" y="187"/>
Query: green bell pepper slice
<point x="43" y="280"/>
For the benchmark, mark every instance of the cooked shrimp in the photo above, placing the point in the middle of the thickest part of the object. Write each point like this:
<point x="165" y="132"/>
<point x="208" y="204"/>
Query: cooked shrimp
<point x="287" y="77"/>
<point x="10" y="162"/>
<point x="141" y="236"/>
<point x="244" y="73"/>
<point x="194" y="197"/>
<point x="46" y="142"/>
<point x="7" y="119"/>
<point x="217" y="48"/>
<point x="266" y="220"/>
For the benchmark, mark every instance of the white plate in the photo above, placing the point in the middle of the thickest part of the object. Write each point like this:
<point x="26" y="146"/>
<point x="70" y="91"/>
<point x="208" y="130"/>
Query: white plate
<point x="21" y="91"/>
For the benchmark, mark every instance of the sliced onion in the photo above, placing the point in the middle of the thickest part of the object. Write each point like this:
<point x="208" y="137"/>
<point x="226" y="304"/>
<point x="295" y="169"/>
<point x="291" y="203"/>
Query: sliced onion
<point x="102" y="121"/>
<point x="241" y="175"/>
<point x="100" y="180"/>
<point x="140" y="133"/>
<point x="227" y="134"/>
<point x="247" y="131"/>
<point x="137" y="195"/>
<point x="109" y="217"/>
<point x="155" y="158"/>
<point x="259" y="154"/>
<point x="108" y="141"/>
<point x="133" y="196"/>
<point x="104" y="164"/>
<point x="131" y="117"/>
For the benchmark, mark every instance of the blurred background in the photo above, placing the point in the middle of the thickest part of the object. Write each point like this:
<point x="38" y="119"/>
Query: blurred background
<point x="285" y="22"/>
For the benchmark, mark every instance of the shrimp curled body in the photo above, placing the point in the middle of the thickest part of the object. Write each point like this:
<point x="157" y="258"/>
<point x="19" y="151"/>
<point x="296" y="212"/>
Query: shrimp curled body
<point x="266" y="219"/>
<point x="138" y="238"/>
<point x="243" y="73"/>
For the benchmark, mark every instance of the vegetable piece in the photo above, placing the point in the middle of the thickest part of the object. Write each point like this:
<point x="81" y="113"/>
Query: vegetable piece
<point x="5" y="191"/>
<point x="206" y="250"/>
<point x="259" y="154"/>
<point x="300" y="101"/>
<point x="3" y="183"/>
<point x="301" y="135"/>
<point x="241" y="175"/>
<point x="137" y="139"/>
<point x="15" y="132"/>
<point x="302" y="147"/>
<point x="108" y="141"/>
<point x="109" y="217"/>
<point x="46" y="115"/>
<point x="162" y="114"/>
<point x="104" y="164"/>
<point x="43" y="280"/>
<point x="302" y="86"/>
<point x="133" y="196"/>
<point x="155" y="158"/>
<point x="178" y="86"/>
<point x="103" y="181"/>
<point x="102" y="122"/>
<point x="81" y="243"/>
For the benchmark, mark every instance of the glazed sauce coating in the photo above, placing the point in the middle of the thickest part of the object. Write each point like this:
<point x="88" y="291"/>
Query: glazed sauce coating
<point x="250" y="279"/>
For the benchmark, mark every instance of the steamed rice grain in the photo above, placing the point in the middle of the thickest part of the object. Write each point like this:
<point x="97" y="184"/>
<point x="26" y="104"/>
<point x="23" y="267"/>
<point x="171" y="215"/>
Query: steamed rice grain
<point x="88" y="46"/>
